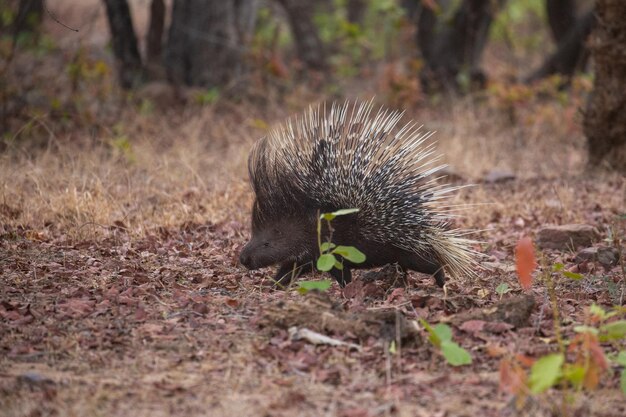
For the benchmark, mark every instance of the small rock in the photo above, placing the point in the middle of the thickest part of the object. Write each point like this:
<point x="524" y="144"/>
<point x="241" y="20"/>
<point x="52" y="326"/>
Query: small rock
<point x="498" y="176"/>
<point x="514" y="311"/>
<point x="605" y="256"/>
<point x="567" y="236"/>
<point x="34" y="379"/>
<point x="389" y="273"/>
<point x="587" y="254"/>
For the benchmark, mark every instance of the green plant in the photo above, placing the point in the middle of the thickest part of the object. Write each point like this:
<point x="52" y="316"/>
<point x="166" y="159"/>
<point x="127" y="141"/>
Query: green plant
<point x="329" y="251"/>
<point x="581" y="362"/>
<point x="209" y="96"/>
<point x="440" y="336"/>
<point x="306" y="286"/>
<point x="502" y="289"/>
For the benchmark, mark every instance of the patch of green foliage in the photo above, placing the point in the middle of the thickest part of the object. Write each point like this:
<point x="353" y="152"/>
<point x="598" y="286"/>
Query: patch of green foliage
<point x="440" y="336"/>
<point x="502" y="289"/>
<point x="306" y="286"/>
<point x="209" y="96"/>
<point x="515" y="13"/>
<point x="331" y="255"/>
<point x="329" y="252"/>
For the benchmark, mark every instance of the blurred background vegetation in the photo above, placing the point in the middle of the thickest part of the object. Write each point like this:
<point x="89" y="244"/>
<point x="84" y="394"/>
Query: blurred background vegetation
<point x="75" y="66"/>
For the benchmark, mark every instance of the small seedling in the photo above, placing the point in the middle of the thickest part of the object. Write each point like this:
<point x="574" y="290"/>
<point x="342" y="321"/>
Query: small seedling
<point x="328" y="250"/>
<point x="580" y="362"/>
<point x="558" y="267"/>
<point x="502" y="289"/>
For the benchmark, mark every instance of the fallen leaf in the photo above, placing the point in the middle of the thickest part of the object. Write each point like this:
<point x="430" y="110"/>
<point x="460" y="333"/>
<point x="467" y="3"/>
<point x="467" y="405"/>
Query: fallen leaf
<point x="525" y="261"/>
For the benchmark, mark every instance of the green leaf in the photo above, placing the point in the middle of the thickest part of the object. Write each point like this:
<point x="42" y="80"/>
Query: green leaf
<point x="575" y="374"/>
<point x="326" y="262"/>
<point x="326" y="246"/>
<point x="622" y="381"/>
<point x="573" y="275"/>
<point x="350" y="253"/>
<point x="455" y="354"/>
<point x="613" y="331"/>
<point x="339" y="265"/>
<point x="598" y="311"/>
<point x="306" y="286"/>
<point x="558" y="267"/>
<point x="585" y="329"/>
<point x="621" y="358"/>
<point x="392" y="347"/>
<point x="545" y="372"/>
<point x="443" y="332"/>
<point x="502" y="289"/>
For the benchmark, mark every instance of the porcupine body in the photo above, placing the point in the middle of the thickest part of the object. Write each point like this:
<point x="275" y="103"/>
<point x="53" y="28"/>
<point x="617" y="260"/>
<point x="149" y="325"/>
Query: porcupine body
<point x="352" y="158"/>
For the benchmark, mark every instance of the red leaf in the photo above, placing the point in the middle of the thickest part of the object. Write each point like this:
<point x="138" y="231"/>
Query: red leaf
<point x="231" y="302"/>
<point x="512" y="377"/>
<point x="525" y="261"/>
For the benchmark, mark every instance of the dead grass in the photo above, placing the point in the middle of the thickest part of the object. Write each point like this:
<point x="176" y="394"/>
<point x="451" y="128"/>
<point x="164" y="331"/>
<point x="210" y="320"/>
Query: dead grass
<point x="147" y="170"/>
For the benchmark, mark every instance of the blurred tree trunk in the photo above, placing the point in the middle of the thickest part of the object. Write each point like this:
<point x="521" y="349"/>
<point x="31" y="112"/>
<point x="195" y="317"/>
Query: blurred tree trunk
<point x="29" y="15"/>
<point x="154" y="37"/>
<point x="130" y="69"/>
<point x="605" y="116"/>
<point x="207" y="41"/>
<point x="355" y="11"/>
<point x="310" y="48"/>
<point x="571" y="54"/>
<point x="561" y="17"/>
<point x="452" y="41"/>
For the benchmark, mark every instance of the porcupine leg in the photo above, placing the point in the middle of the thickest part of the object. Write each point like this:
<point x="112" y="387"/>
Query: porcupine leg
<point x="342" y="276"/>
<point x="425" y="266"/>
<point x="288" y="271"/>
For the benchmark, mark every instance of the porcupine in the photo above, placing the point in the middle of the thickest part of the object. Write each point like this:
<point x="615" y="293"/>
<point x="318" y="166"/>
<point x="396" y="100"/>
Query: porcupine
<point x="352" y="158"/>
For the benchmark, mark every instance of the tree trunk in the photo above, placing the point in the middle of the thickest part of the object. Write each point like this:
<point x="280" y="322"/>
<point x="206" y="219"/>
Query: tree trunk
<point x="29" y="16"/>
<point x="570" y="54"/>
<point x="452" y="41"/>
<point x="310" y="48"/>
<point x="355" y="11"/>
<point x="207" y="41"/>
<point x="561" y="17"/>
<point x="605" y="116"/>
<point x="154" y="37"/>
<point x="124" y="41"/>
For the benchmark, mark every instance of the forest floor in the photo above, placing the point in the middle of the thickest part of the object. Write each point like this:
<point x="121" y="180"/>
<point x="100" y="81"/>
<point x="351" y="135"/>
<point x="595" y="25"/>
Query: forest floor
<point x="121" y="222"/>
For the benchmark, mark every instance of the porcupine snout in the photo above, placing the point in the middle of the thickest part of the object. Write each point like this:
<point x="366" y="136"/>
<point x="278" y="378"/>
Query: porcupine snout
<point x="262" y="251"/>
<point x="249" y="257"/>
<point x="245" y="258"/>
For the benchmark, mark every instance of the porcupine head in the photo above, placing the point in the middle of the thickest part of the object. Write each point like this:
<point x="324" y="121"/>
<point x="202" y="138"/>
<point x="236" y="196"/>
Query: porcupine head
<point x="351" y="158"/>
